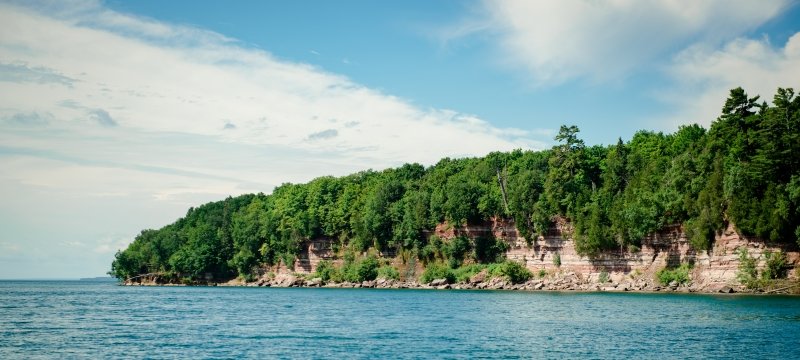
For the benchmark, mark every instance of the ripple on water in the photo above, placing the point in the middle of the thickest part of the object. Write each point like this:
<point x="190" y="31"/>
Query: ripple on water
<point x="90" y="320"/>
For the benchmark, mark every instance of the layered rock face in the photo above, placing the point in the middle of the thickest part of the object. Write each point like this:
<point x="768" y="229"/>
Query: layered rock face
<point x="712" y="270"/>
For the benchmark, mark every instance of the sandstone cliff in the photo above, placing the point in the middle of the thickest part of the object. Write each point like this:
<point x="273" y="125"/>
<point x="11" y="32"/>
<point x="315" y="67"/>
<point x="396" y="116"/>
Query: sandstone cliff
<point x="712" y="269"/>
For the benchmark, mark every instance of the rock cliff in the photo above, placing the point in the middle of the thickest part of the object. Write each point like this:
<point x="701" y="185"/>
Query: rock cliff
<point x="713" y="270"/>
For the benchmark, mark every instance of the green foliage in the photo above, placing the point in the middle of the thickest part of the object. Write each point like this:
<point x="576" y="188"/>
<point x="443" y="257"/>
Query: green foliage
<point x="747" y="273"/>
<point x="488" y="249"/>
<point x="557" y="260"/>
<point x="776" y="263"/>
<point x="388" y="272"/>
<point x="510" y="270"/>
<point x="604" y="277"/>
<point x="327" y="271"/>
<point x="360" y="270"/>
<point x="464" y="273"/>
<point x="680" y="274"/>
<point x="542" y="273"/>
<point x="436" y="271"/>
<point x="455" y="250"/>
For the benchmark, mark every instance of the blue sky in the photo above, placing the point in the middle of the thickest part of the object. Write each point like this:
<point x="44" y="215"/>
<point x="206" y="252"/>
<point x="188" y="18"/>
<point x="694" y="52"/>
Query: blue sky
<point x="119" y="115"/>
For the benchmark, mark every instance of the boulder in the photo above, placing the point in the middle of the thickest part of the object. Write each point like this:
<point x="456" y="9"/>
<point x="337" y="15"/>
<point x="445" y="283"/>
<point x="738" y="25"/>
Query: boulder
<point x="479" y="277"/>
<point x="727" y="290"/>
<point x="315" y="282"/>
<point x="438" y="282"/>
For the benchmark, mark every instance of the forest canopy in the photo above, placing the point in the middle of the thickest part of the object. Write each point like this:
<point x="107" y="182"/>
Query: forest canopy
<point x="743" y="170"/>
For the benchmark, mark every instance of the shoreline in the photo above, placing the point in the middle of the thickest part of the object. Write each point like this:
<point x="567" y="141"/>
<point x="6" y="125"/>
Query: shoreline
<point x="563" y="284"/>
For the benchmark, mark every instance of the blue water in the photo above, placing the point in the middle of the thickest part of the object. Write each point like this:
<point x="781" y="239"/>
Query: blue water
<point x="73" y="319"/>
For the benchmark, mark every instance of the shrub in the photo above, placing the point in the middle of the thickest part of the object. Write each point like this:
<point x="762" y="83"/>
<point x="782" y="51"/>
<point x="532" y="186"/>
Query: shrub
<point x="603" y="278"/>
<point x="358" y="271"/>
<point x="464" y="273"/>
<point x="437" y="271"/>
<point x="747" y="274"/>
<point x="489" y="249"/>
<point x="327" y="271"/>
<point x="542" y="273"/>
<point x="388" y="272"/>
<point x="511" y="270"/>
<point x="775" y="265"/>
<point x="432" y="250"/>
<point x="679" y="274"/>
<point x="455" y="251"/>
<point x="557" y="260"/>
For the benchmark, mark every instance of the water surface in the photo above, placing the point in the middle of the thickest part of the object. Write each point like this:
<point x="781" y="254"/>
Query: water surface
<point x="74" y="319"/>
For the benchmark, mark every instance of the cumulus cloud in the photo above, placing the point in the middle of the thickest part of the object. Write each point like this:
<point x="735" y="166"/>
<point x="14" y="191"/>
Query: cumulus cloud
<point x="559" y="41"/>
<point x="704" y="75"/>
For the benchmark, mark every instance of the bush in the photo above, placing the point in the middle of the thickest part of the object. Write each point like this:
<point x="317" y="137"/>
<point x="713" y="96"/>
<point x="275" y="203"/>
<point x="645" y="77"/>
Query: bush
<point x="542" y="273"/>
<point x="557" y="260"/>
<point x="464" y="273"/>
<point x="679" y="275"/>
<point x="775" y="265"/>
<point x="327" y="271"/>
<point x="747" y="274"/>
<point x="455" y="251"/>
<point x="388" y="272"/>
<point x="489" y="249"/>
<point x="437" y="271"/>
<point x="603" y="278"/>
<point x="511" y="270"/>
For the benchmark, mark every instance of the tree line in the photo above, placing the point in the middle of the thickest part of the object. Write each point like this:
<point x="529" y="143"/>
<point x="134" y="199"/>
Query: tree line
<point x="745" y="169"/>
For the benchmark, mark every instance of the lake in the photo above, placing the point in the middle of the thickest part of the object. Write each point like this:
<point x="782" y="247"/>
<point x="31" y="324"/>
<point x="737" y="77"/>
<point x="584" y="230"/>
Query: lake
<point x="84" y="319"/>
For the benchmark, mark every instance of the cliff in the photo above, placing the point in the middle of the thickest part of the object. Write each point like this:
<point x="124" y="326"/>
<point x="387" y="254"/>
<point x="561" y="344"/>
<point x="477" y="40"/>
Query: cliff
<point x="712" y="270"/>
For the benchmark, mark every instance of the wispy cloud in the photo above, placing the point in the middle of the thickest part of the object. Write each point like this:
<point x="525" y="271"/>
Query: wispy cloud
<point x="21" y="73"/>
<point x="324" y="134"/>
<point x="129" y="132"/>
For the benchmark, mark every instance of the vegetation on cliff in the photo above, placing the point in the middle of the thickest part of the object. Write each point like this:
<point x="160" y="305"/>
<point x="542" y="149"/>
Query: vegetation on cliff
<point x="745" y="169"/>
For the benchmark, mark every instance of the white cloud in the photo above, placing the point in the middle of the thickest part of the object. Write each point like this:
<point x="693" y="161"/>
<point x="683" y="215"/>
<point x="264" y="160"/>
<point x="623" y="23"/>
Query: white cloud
<point x="559" y="41"/>
<point x="705" y="75"/>
<point x="110" y="123"/>
<point x="123" y="68"/>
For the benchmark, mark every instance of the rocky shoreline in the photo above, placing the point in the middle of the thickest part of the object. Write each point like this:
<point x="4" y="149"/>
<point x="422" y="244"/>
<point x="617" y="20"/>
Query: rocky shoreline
<point x="564" y="282"/>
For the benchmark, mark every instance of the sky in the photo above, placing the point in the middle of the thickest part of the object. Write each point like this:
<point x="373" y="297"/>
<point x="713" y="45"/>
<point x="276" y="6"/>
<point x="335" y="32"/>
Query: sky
<point x="117" y="116"/>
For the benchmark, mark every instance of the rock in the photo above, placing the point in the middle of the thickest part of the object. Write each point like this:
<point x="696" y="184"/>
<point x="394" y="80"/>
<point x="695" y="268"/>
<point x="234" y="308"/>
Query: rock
<point x="479" y="277"/>
<point x="727" y="290"/>
<point x="315" y="282"/>
<point x="438" y="282"/>
<point x="368" y="284"/>
<point x="443" y="287"/>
